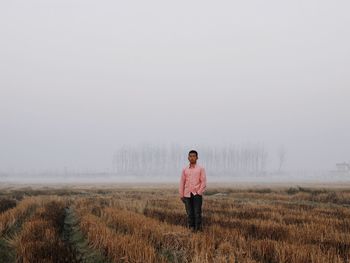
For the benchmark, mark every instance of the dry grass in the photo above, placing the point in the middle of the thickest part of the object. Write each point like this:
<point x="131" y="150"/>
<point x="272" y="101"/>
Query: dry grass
<point x="15" y="214"/>
<point x="40" y="237"/>
<point x="148" y="225"/>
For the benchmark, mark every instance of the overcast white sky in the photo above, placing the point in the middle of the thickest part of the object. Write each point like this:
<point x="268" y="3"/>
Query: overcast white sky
<point x="78" y="78"/>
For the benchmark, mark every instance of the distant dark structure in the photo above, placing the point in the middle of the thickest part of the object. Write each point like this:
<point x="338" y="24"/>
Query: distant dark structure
<point x="343" y="167"/>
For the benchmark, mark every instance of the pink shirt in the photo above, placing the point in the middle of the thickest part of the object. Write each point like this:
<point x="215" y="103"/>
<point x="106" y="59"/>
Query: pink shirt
<point x="193" y="180"/>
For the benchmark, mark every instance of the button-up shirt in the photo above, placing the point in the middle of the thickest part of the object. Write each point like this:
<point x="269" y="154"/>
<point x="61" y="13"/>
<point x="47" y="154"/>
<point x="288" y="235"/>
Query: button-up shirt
<point x="193" y="179"/>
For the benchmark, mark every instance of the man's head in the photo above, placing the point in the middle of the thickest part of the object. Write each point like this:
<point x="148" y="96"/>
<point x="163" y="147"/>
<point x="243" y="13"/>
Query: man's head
<point x="193" y="156"/>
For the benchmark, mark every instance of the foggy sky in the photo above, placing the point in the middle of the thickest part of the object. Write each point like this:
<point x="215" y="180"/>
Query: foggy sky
<point x="79" y="78"/>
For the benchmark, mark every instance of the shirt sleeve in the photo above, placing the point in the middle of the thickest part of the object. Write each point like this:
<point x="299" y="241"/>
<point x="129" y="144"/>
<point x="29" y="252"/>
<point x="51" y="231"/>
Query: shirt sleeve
<point x="203" y="178"/>
<point x="182" y="183"/>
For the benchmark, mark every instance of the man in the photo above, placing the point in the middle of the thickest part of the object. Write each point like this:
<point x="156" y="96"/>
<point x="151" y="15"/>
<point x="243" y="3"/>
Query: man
<point x="192" y="185"/>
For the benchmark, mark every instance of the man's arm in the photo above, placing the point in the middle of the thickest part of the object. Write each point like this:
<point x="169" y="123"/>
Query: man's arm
<point x="182" y="183"/>
<point x="203" y="179"/>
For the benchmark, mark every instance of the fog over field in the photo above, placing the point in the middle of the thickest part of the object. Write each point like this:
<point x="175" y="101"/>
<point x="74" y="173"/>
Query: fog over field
<point x="105" y="91"/>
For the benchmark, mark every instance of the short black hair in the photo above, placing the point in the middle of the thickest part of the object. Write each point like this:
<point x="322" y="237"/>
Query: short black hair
<point x="193" y="151"/>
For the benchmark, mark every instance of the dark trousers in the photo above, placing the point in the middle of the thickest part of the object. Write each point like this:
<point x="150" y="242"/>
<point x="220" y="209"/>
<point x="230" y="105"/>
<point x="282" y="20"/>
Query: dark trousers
<point x="193" y="207"/>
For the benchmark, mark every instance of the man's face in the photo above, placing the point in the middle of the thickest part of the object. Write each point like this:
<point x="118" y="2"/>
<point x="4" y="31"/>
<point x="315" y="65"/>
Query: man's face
<point x="192" y="157"/>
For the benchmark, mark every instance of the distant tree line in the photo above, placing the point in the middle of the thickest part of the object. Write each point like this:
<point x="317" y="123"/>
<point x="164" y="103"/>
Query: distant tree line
<point x="167" y="160"/>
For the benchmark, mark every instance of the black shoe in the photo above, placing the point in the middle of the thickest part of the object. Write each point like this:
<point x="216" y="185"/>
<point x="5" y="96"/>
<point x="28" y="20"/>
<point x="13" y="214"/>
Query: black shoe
<point x="198" y="229"/>
<point x="191" y="227"/>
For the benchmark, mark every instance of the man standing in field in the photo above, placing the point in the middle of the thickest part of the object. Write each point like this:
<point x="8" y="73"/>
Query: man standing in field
<point x="193" y="183"/>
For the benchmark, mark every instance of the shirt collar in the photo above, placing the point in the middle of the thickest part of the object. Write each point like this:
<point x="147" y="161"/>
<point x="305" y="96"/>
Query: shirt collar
<point x="195" y="166"/>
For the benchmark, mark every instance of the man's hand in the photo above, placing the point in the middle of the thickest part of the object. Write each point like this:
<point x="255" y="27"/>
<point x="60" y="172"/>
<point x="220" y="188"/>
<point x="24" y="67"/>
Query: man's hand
<point x="182" y="199"/>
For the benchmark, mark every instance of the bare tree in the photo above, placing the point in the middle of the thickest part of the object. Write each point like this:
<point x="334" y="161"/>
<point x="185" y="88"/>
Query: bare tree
<point x="281" y="157"/>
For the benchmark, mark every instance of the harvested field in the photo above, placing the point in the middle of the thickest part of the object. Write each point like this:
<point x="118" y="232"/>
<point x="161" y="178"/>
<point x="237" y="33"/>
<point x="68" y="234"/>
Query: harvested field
<point x="148" y="224"/>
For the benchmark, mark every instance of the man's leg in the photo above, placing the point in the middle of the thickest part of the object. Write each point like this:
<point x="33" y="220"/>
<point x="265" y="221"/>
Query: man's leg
<point x="197" y="205"/>
<point x="190" y="212"/>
